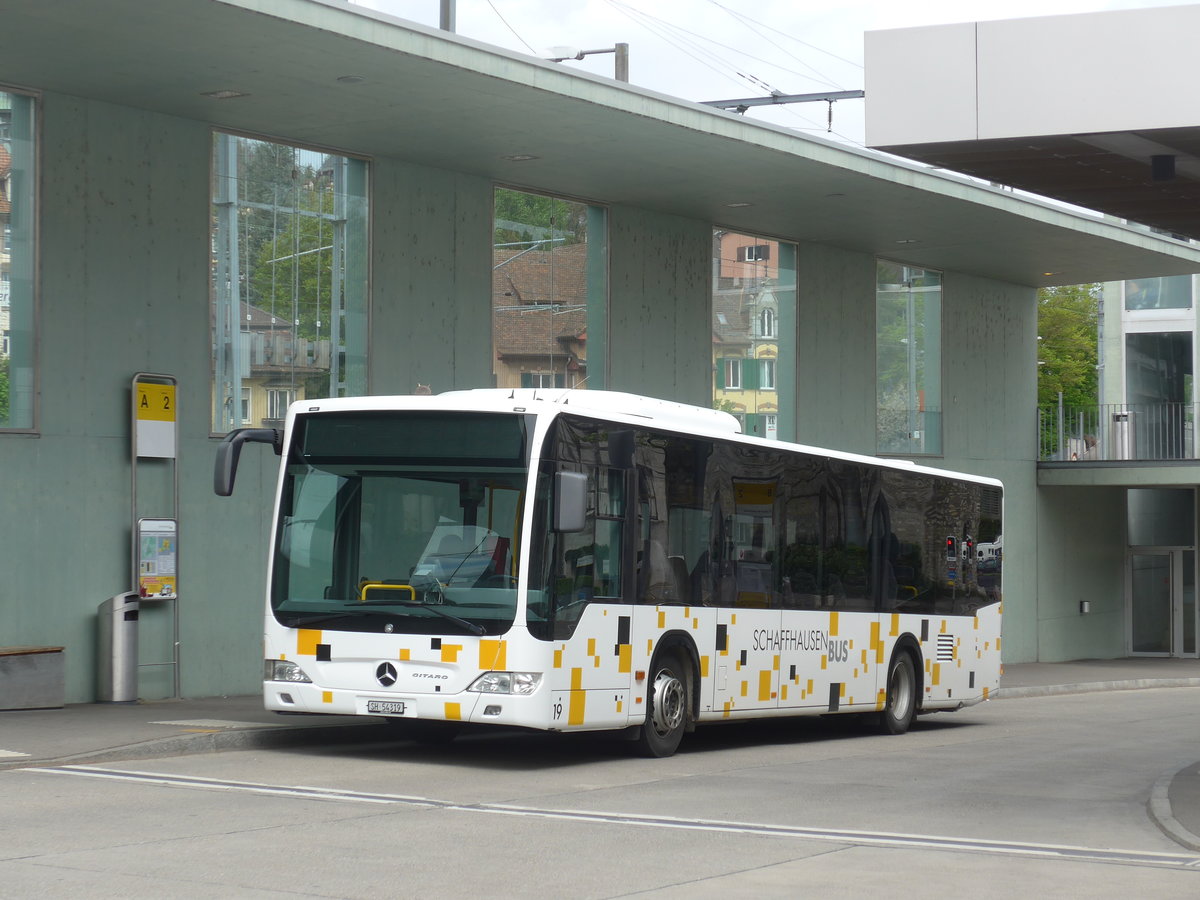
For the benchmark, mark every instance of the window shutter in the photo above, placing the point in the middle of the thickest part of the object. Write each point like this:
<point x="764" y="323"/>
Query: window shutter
<point x="750" y="374"/>
<point x="720" y="373"/>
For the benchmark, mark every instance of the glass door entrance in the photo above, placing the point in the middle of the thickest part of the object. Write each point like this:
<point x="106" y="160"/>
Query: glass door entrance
<point x="1162" y="602"/>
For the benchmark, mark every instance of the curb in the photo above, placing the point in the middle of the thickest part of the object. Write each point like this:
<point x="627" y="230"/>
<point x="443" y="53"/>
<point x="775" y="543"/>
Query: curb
<point x="1088" y="687"/>
<point x="268" y="738"/>
<point x="1161" y="814"/>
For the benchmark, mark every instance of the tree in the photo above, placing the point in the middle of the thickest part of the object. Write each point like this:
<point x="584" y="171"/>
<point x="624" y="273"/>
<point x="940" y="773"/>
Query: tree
<point x="1067" y="346"/>
<point x="296" y="263"/>
<point x="529" y="217"/>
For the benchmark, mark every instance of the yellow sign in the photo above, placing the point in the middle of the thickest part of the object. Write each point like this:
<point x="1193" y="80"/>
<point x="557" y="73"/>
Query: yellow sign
<point x="155" y="402"/>
<point x="750" y="493"/>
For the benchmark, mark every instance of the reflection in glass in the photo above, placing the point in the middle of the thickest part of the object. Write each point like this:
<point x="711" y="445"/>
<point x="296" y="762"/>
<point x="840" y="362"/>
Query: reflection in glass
<point x="1151" y="577"/>
<point x="1171" y="292"/>
<point x="18" y="179"/>
<point x="1161" y="517"/>
<point x="1159" y="393"/>
<point x="289" y="232"/>
<point x="1189" y="603"/>
<point x="754" y="332"/>
<point x="908" y="358"/>
<point x="549" y="275"/>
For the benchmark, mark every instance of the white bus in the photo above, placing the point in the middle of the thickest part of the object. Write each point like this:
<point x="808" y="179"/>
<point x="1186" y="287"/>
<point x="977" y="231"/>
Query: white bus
<point x="586" y="560"/>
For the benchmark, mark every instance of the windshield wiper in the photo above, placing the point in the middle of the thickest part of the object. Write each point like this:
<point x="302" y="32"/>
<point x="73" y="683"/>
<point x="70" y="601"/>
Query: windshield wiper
<point x="475" y="629"/>
<point x="326" y="617"/>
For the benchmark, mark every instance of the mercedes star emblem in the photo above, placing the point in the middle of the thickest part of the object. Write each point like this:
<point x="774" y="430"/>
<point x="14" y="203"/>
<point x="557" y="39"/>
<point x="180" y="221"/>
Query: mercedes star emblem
<point x="386" y="674"/>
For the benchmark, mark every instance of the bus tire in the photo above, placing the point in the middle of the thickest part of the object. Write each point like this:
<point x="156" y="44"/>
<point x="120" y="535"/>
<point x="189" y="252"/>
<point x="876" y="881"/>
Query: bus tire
<point x="666" y="706"/>
<point x="901" y="704"/>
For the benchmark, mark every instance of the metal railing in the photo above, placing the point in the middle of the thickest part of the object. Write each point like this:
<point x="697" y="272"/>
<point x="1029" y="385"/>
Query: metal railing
<point x="1118" y="431"/>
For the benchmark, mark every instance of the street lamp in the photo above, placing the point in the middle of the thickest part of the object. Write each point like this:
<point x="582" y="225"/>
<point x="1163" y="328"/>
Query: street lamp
<point x="620" y="51"/>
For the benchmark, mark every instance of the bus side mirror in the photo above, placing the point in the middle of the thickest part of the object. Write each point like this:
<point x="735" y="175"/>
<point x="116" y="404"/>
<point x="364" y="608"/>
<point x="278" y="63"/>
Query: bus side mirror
<point x="228" y="451"/>
<point x="570" y="501"/>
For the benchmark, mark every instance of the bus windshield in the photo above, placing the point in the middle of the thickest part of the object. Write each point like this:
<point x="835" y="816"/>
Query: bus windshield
<point x="407" y="525"/>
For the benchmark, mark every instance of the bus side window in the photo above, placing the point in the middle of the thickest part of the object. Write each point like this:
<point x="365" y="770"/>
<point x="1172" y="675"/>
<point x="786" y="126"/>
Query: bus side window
<point x="663" y="575"/>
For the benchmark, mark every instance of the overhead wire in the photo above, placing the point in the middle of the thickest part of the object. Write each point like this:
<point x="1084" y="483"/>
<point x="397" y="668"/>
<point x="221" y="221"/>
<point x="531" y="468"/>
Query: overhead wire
<point x="749" y="24"/>
<point x="675" y="35"/>
<point x="698" y="47"/>
<point x="634" y="13"/>
<point x="790" y="37"/>
<point x="510" y="28"/>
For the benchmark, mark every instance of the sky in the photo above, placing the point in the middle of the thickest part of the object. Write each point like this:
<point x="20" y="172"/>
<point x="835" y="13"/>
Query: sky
<point x="726" y="49"/>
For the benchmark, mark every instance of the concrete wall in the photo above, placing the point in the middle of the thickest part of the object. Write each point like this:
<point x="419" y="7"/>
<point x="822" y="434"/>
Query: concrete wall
<point x="989" y="382"/>
<point x="1081" y="540"/>
<point x="431" y="279"/>
<point x="660" y="335"/>
<point x="123" y="288"/>
<point x="835" y="366"/>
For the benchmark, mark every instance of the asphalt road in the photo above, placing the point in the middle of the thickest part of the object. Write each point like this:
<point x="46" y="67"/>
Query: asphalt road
<point x="1041" y="796"/>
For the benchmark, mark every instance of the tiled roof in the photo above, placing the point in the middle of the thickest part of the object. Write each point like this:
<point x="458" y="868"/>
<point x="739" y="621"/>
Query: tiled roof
<point x="540" y="300"/>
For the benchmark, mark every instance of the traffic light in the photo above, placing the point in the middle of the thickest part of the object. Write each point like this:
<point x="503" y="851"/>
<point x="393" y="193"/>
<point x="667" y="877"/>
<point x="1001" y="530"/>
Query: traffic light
<point x="951" y="547"/>
<point x="969" y="547"/>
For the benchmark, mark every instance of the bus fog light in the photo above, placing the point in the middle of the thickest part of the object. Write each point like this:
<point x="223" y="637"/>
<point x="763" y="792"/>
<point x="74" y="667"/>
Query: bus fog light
<point x="284" y="670"/>
<point x="491" y="710"/>
<point x="506" y="683"/>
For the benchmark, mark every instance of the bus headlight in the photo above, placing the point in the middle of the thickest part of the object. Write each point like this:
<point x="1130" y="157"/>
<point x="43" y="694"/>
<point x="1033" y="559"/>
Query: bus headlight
<point x="284" y="670"/>
<point x="506" y="683"/>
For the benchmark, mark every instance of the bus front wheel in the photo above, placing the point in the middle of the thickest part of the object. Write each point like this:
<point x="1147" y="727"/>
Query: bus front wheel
<point x="666" y="707"/>
<point x="901" y="703"/>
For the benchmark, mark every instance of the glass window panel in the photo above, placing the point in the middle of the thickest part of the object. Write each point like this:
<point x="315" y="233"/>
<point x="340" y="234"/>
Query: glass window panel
<point x="1150" y="575"/>
<point x="908" y="359"/>
<point x="18" y="179"/>
<point x="754" y="331"/>
<point x="1189" y="603"/>
<point x="1157" y="420"/>
<point x="289" y="278"/>
<point x="1161" y="517"/>
<point x="549" y="292"/>
<point x="1172" y="292"/>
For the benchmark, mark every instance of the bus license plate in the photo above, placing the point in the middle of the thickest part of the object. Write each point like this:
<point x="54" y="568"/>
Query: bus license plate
<point x="386" y="707"/>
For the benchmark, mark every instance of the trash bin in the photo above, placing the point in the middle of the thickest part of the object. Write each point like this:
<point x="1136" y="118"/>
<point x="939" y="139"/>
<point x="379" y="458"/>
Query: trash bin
<point x="117" y="653"/>
<point x="1121" y="441"/>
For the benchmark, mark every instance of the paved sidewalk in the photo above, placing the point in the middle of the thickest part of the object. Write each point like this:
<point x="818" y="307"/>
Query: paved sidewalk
<point x="96" y="732"/>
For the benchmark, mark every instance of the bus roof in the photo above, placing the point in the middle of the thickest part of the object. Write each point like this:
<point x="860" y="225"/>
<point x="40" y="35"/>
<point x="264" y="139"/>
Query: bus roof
<point x="611" y="405"/>
<point x="603" y="404"/>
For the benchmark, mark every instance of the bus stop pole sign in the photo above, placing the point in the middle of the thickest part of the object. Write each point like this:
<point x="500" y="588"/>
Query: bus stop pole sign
<point x="154" y="418"/>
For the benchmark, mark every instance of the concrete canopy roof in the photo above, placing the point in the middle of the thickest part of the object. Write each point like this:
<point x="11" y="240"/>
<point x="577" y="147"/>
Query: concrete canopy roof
<point x="332" y="75"/>
<point x="1095" y="109"/>
<point x="1111" y="172"/>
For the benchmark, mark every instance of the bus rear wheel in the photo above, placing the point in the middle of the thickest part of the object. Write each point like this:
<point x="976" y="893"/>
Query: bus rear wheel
<point x="901" y="704"/>
<point x="666" y="707"/>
